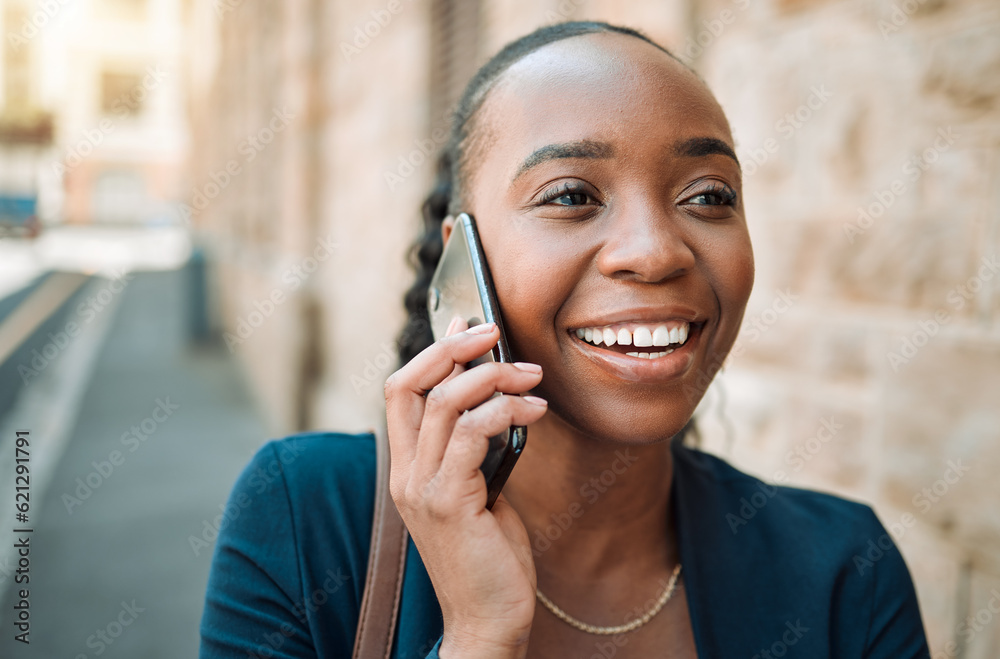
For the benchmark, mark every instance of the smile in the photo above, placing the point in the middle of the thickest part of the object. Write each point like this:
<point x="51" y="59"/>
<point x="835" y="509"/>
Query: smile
<point x="642" y="338"/>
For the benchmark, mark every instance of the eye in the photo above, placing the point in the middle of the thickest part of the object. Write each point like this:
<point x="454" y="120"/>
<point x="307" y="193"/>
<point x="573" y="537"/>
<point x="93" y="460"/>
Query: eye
<point x="717" y="194"/>
<point x="571" y="193"/>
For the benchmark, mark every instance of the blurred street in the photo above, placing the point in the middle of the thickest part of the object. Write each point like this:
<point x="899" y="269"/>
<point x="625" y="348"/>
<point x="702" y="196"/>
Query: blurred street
<point x="112" y="569"/>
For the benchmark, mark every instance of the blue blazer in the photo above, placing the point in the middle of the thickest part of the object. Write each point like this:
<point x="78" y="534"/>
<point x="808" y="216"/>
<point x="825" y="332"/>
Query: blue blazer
<point x="769" y="571"/>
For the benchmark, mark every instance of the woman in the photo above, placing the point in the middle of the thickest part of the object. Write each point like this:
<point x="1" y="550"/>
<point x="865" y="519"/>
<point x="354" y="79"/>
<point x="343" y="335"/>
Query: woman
<point x="603" y="179"/>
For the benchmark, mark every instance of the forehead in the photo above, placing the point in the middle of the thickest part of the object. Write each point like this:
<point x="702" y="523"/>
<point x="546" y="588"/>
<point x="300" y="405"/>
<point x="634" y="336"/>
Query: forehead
<point x="598" y="86"/>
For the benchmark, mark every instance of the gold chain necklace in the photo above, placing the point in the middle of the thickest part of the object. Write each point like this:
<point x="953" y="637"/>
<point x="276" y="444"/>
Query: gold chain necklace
<point x="618" y="629"/>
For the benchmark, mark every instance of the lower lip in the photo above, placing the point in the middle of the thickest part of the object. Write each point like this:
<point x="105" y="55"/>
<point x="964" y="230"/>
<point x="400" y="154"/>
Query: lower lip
<point x="640" y="369"/>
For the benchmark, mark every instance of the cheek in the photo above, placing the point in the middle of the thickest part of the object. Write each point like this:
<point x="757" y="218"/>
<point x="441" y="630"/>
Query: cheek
<point x="730" y="267"/>
<point x="533" y="275"/>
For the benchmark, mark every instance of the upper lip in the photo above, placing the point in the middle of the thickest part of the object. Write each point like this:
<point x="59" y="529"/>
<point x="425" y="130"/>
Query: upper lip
<point x="642" y="315"/>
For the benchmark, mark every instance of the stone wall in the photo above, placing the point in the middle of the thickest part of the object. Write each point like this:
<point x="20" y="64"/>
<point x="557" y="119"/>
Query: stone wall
<point x="869" y="364"/>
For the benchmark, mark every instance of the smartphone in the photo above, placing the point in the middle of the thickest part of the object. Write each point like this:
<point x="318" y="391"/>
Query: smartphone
<point x="462" y="286"/>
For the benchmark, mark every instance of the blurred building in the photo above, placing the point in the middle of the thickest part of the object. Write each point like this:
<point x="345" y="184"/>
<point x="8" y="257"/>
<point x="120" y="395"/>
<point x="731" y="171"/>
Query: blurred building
<point x="106" y="76"/>
<point x="26" y="131"/>
<point x="868" y="365"/>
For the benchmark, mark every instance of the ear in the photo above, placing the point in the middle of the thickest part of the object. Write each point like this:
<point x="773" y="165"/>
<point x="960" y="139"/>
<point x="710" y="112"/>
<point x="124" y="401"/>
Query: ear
<point x="446" y="228"/>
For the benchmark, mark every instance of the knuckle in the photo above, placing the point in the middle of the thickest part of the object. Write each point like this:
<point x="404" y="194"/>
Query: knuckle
<point x="438" y="507"/>
<point x="437" y="398"/>
<point x="411" y="492"/>
<point x="465" y="425"/>
<point x="391" y="383"/>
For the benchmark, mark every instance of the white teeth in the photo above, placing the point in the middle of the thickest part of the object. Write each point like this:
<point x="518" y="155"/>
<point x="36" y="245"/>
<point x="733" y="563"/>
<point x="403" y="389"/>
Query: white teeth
<point x="649" y="355"/>
<point x="642" y="338"/>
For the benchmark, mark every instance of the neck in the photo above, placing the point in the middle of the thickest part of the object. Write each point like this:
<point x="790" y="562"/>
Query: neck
<point x="593" y="509"/>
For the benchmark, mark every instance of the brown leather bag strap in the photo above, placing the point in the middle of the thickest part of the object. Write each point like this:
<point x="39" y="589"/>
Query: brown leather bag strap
<point x="386" y="564"/>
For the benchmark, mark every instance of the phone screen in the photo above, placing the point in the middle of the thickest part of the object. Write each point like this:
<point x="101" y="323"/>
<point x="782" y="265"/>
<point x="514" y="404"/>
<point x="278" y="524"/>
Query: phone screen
<point x="462" y="286"/>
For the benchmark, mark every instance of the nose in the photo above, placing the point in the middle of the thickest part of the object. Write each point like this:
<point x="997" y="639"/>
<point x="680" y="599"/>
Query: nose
<point x="644" y="242"/>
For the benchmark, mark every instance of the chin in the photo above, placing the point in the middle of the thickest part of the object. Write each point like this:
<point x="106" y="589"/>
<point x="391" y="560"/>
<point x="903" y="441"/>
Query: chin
<point x="629" y="421"/>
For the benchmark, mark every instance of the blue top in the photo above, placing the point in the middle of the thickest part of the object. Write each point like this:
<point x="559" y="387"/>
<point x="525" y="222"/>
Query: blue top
<point x="769" y="571"/>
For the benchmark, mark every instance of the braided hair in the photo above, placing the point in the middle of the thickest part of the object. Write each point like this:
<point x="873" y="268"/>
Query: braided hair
<point x="446" y="196"/>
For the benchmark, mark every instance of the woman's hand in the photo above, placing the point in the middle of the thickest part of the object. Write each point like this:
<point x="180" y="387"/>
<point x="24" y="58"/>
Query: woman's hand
<point x="478" y="560"/>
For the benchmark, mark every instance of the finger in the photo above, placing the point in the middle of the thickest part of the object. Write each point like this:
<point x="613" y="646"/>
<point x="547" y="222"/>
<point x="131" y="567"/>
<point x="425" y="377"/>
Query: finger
<point x="470" y="440"/>
<point x="448" y="401"/>
<point x="458" y="324"/>
<point x="405" y="389"/>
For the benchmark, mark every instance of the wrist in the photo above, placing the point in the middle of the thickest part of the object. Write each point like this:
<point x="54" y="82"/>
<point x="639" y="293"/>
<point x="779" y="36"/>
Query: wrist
<point x="475" y="645"/>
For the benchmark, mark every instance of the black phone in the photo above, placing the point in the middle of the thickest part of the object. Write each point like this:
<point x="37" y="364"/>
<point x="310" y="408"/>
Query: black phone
<point x="462" y="286"/>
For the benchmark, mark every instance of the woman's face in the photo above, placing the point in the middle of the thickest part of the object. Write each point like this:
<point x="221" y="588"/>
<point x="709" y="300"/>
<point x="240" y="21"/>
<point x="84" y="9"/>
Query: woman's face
<point x="609" y="201"/>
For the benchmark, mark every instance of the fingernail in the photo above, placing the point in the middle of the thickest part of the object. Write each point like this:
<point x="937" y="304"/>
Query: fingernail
<point x="485" y="328"/>
<point x="452" y="325"/>
<point x="529" y="367"/>
<point x="535" y="400"/>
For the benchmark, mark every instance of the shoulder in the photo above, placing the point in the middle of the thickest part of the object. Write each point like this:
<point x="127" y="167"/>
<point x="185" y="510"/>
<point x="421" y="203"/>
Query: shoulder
<point x="751" y="506"/>
<point x="314" y="460"/>
<point x="798" y="552"/>
<point x="292" y="548"/>
<point x="326" y="480"/>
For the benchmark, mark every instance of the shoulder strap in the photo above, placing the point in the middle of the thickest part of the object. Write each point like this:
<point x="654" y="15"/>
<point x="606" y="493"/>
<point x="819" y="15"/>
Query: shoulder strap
<point x="386" y="563"/>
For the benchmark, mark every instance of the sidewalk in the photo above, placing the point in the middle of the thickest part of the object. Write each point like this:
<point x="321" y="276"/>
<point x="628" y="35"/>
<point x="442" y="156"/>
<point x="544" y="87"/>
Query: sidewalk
<point x="162" y="432"/>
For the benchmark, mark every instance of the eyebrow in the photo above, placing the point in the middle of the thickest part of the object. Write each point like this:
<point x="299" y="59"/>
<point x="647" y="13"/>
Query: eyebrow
<point x="697" y="147"/>
<point x="578" y="149"/>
